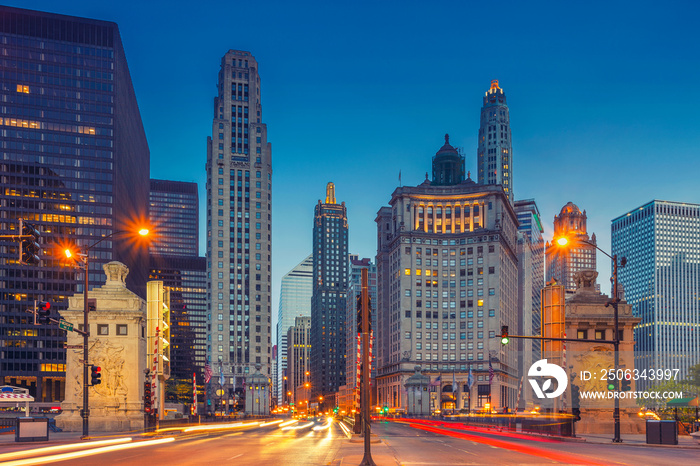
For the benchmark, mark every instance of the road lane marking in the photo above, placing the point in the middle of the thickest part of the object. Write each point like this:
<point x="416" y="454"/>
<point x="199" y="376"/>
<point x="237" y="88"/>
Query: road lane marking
<point x="235" y="456"/>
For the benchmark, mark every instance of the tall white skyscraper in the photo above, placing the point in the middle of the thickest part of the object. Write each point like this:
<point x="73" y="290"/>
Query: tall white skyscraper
<point x="239" y="193"/>
<point x="495" y="150"/>
<point x="295" y="301"/>
<point x="661" y="242"/>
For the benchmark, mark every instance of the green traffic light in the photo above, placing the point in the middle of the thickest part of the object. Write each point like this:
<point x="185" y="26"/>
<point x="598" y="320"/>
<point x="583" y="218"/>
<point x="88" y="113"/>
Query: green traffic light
<point x="505" y="340"/>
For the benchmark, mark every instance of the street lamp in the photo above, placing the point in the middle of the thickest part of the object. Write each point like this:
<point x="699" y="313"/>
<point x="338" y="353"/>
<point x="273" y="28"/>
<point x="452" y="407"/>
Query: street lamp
<point x="614" y="301"/>
<point x="83" y="257"/>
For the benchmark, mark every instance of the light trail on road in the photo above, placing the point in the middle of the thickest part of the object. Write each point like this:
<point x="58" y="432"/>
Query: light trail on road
<point x="70" y="446"/>
<point x="84" y="453"/>
<point x="534" y="451"/>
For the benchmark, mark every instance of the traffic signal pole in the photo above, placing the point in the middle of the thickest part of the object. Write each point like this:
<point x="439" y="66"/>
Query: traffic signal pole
<point x="367" y="459"/>
<point x="85" y="413"/>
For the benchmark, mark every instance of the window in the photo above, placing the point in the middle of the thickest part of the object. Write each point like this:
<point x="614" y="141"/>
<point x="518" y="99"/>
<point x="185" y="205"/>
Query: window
<point x="600" y="334"/>
<point x="103" y="329"/>
<point x="582" y="334"/>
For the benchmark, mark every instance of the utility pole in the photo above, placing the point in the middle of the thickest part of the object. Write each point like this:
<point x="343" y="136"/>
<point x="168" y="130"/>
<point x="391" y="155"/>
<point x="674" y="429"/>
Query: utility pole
<point x="364" y="395"/>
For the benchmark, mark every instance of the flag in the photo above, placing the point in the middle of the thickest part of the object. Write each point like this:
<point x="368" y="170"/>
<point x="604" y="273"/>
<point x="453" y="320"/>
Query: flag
<point x="470" y="378"/>
<point x="221" y="376"/>
<point x="207" y="373"/>
<point x="490" y="373"/>
<point x="437" y="381"/>
<point x="454" y="382"/>
<point x="399" y="177"/>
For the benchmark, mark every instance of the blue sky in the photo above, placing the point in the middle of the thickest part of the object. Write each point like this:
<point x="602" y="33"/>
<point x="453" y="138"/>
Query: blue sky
<point x="603" y="99"/>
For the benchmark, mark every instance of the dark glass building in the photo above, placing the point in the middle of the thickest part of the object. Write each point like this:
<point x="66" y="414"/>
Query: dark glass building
<point x="174" y="214"/>
<point x="186" y="276"/>
<point x="330" y="284"/>
<point x="74" y="162"/>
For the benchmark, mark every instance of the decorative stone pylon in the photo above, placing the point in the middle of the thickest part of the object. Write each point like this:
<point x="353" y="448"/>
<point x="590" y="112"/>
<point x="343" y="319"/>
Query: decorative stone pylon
<point x="117" y="344"/>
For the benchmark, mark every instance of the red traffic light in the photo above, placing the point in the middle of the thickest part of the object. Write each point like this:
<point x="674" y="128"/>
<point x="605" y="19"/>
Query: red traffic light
<point x="44" y="306"/>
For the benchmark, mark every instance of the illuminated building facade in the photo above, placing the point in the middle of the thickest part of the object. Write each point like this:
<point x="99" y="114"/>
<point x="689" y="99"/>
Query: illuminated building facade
<point x="330" y="284"/>
<point x="74" y="162"/>
<point x="239" y="225"/>
<point x="661" y="280"/>
<point x="495" y="149"/>
<point x="447" y="280"/>
<point x="563" y="263"/>
<point x="295" y="301"/>
<point x="299" y="356"/>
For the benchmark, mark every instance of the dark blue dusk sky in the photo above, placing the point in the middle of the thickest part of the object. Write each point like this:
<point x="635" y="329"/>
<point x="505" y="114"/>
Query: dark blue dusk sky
<point x="603" y="99"/>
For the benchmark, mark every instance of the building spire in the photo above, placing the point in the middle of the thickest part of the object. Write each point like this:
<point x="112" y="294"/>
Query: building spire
<point x="330" y="193"/>
<point x="447" y="138"/>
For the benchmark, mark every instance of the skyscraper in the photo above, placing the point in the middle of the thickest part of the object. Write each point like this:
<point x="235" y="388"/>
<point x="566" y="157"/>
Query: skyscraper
<point x="239" y="199"/>
<point x="352" y="345"/>
<point x="174" y="214"/>
<point x="447" y="281"/>
<point x="330" y="283"/>
<point x="74" y="162"/>
<point x="530" y="252"/>
<point x="661" y="242"/>
<point x="174" y="259"/>
<point x="495" y="149"/>
<point x="295" y="301"/>
<point x="563" y="263"/>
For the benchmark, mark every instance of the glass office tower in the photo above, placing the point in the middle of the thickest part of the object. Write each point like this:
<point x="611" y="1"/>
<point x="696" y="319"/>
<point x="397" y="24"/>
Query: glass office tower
<point x="74" y="162"/>
<point x="661" y="242"/>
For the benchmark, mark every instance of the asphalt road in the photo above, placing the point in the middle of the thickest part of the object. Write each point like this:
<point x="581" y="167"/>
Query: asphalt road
<point x="414" y="443"/>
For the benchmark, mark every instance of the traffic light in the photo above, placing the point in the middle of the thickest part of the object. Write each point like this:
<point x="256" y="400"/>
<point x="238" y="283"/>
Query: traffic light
<point x="43" y="309"/>
<point x="147" y="401"/>
<point x="95" y="375"/>
<point x="369" y="314"/>
<point x="625" y="385"/>
<point x="577" y="414"/>
<point x="504" y="335"/>
<point x="613" y="385"/>
<point x="29" y="244"/>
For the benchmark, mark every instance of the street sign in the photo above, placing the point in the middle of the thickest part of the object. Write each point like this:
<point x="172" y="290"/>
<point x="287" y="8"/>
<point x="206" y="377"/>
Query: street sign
<point x="74" y="346"/>
<point x="65" y="325"/>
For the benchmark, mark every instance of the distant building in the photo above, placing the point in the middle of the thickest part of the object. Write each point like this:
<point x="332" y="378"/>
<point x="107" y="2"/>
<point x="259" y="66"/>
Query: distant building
<point x="74" y="162"/>
<point x="186" y="277"/>
<point x="330" y="283"/>
<point x="447" y="281"/>
<point x="239" y="225"/>
<point x="661" y="280"/>
<point x="495" y="150"/>
<point x="352" y="346"/>
<point x="298" y="357"/>
<point x="564" y="262"/>
<point x="174" y="215"/>
<point x="174" y="259"/>
<point x="295" y="301"/>
<point x="530" y="251"/>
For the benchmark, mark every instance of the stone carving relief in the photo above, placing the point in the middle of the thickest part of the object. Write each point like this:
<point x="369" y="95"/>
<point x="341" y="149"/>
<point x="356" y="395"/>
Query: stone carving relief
<point x="585" y="279"/>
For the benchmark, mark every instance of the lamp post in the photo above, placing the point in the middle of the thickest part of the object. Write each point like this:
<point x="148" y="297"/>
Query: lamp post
<point x="614" y="301"/>
<point x="83" y="257"/>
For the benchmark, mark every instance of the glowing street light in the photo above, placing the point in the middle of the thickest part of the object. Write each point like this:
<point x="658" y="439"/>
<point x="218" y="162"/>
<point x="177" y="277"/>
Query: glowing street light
<point x="83" y="258"/>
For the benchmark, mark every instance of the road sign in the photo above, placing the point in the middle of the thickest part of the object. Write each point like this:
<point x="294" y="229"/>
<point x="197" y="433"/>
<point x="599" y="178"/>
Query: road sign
<point x="65" y="325"/>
